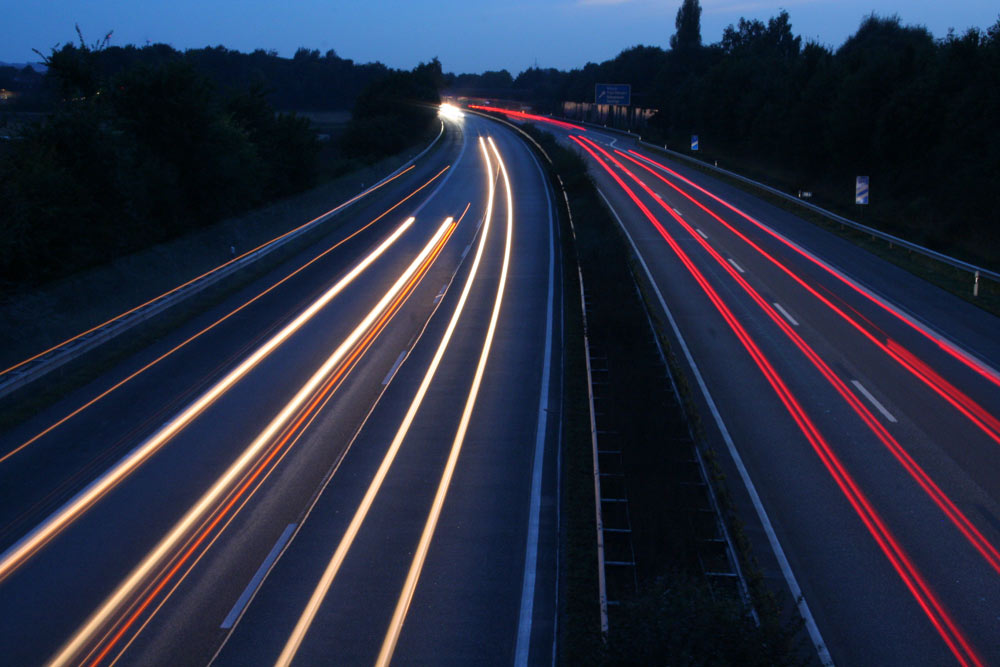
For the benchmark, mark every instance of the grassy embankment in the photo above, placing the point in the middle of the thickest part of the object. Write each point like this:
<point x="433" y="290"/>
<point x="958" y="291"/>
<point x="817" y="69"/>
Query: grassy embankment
<point x="35" y="320"/>
<point x="677" y="615"/>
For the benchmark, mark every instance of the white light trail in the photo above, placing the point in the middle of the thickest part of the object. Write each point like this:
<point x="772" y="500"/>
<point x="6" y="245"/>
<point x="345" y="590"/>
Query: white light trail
<point x="208" y="500"/>
<point x="333" y="567"/>
<point x="406" y="596"/>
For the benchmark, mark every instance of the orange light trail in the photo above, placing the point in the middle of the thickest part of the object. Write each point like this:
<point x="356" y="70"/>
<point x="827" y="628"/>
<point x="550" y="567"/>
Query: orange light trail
<point x="291" y="435"/>
<point x="211" y="326"/>
<point x="207" y="273"/>
<point x="901" y="563"/>
<point x="37" y="538"/>
<point x="308" y="614"/>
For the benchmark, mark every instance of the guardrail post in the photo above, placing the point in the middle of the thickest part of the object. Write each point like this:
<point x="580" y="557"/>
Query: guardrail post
<point x="975" y="285"/>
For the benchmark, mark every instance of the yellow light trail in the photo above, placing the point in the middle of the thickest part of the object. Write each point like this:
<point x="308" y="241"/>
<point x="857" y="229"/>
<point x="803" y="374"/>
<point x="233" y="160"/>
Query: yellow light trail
<point x="207" y="273"/>
<point x="333" y="567"/>
<point x="416" y="566"/>
<point x="229" y="506"/>
<point x="28" y="545"/>
<point x="214" y="324"/>
<point x="208" y="500"/>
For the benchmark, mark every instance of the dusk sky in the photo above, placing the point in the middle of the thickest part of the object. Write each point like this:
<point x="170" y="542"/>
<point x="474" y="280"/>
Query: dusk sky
<point x="468" y="36"/>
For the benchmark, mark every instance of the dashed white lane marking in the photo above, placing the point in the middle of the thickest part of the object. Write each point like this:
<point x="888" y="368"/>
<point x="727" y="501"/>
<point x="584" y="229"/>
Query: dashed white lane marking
<point x="786" y="314"/>
<point x="258" y="577"/>
<point x="737" y="266"/>
<point x="682" y="215"/>
<point x="874" y="401"/>
<point x="395" y="367"/>
<point x="703" y="234"/>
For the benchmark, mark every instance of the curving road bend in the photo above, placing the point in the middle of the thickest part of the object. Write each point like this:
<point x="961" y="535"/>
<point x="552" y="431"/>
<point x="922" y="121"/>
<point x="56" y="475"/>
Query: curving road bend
<point x="260" y="494"/>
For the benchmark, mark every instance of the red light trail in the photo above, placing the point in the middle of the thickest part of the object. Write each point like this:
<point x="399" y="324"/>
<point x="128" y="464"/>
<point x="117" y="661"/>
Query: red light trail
<point x="905" y="568"/>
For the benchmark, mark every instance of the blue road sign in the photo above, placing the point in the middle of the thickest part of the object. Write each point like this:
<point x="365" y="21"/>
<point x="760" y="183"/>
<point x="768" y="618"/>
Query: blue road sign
<point x="694" y="142"/>
<point x="861" y="190"/>
<point x="613" y="93"/>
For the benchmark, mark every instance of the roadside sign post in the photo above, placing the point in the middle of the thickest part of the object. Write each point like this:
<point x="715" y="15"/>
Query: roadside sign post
<point x="617" y="94"/>
<point x="861" y="191"/>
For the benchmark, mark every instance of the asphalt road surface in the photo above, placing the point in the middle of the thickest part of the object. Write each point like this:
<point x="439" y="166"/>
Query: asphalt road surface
<point x="358" y="462"/>
<point x="855" y="406"/>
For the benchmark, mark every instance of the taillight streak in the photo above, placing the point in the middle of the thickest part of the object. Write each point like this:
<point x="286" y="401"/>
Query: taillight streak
<point x="901" y="563"/>
<point x="308" y="614"/>
<point x="530" y="117"/>
<point x="81" y="502"/>
<point x="978" y="415"/>
<point x="939" y="497"/>
<point x="989" y="373"/>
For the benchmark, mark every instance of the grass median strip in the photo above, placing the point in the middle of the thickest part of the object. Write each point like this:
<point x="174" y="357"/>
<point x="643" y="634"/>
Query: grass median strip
<point x="679" y="612"/>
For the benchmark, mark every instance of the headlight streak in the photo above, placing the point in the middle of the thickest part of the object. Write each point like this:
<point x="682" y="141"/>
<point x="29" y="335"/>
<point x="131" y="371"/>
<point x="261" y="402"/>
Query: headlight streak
<point x="249" y="455"/>
<point x="30" y="543"/>
<point x="333" y="567"/>
<point x="961" y="522"/>
<point x="207" y="273"/>
<point x="412" y="577"/>
<point x="228" y="507"/>
<point x="219" y="321"/>
<point x="950" y="348"/>
<point x="901" y="563"/>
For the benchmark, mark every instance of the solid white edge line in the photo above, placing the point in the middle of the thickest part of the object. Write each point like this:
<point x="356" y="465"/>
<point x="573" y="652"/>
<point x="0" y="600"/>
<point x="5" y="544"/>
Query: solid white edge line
<point x="772" y="538"/>
<point x="736" y="266"/>
<point x="522" y="649"/>
<point x="874" y="401"/>
<point x="786" y="314"/>
<point x="251" y="588"/>
<point x="395" y="366"/>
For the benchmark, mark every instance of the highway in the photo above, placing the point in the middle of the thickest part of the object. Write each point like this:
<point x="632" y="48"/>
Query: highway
<point x="351" y="459"/>
<point x="855" y="408"/>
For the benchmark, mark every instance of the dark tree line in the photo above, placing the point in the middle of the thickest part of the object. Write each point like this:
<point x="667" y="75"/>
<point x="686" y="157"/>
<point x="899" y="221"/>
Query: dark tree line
<point x="916" y="114"/>
<point x="142" y="145"/>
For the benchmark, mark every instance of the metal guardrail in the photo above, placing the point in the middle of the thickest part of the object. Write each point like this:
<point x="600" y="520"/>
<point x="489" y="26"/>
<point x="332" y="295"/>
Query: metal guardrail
<point x="977" y="271"/>
<point x="76" y="347"/>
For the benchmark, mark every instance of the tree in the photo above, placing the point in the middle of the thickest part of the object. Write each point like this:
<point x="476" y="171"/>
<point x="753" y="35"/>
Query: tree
<point x="688" y="23"/>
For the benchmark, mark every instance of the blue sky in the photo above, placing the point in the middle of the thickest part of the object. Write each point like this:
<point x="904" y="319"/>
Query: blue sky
<point x="468" y="36"/>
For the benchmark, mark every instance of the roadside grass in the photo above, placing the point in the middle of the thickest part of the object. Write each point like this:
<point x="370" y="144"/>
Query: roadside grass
<point x="677" y="615"/>
<point x="34" y="321"/>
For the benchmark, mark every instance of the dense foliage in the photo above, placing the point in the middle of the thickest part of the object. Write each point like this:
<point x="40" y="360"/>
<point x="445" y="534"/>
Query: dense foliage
<point x="137" y="156"/>
<point x="916" y="114"/>
<point x="143" y="144"/>
<point x="393" y="110"/>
